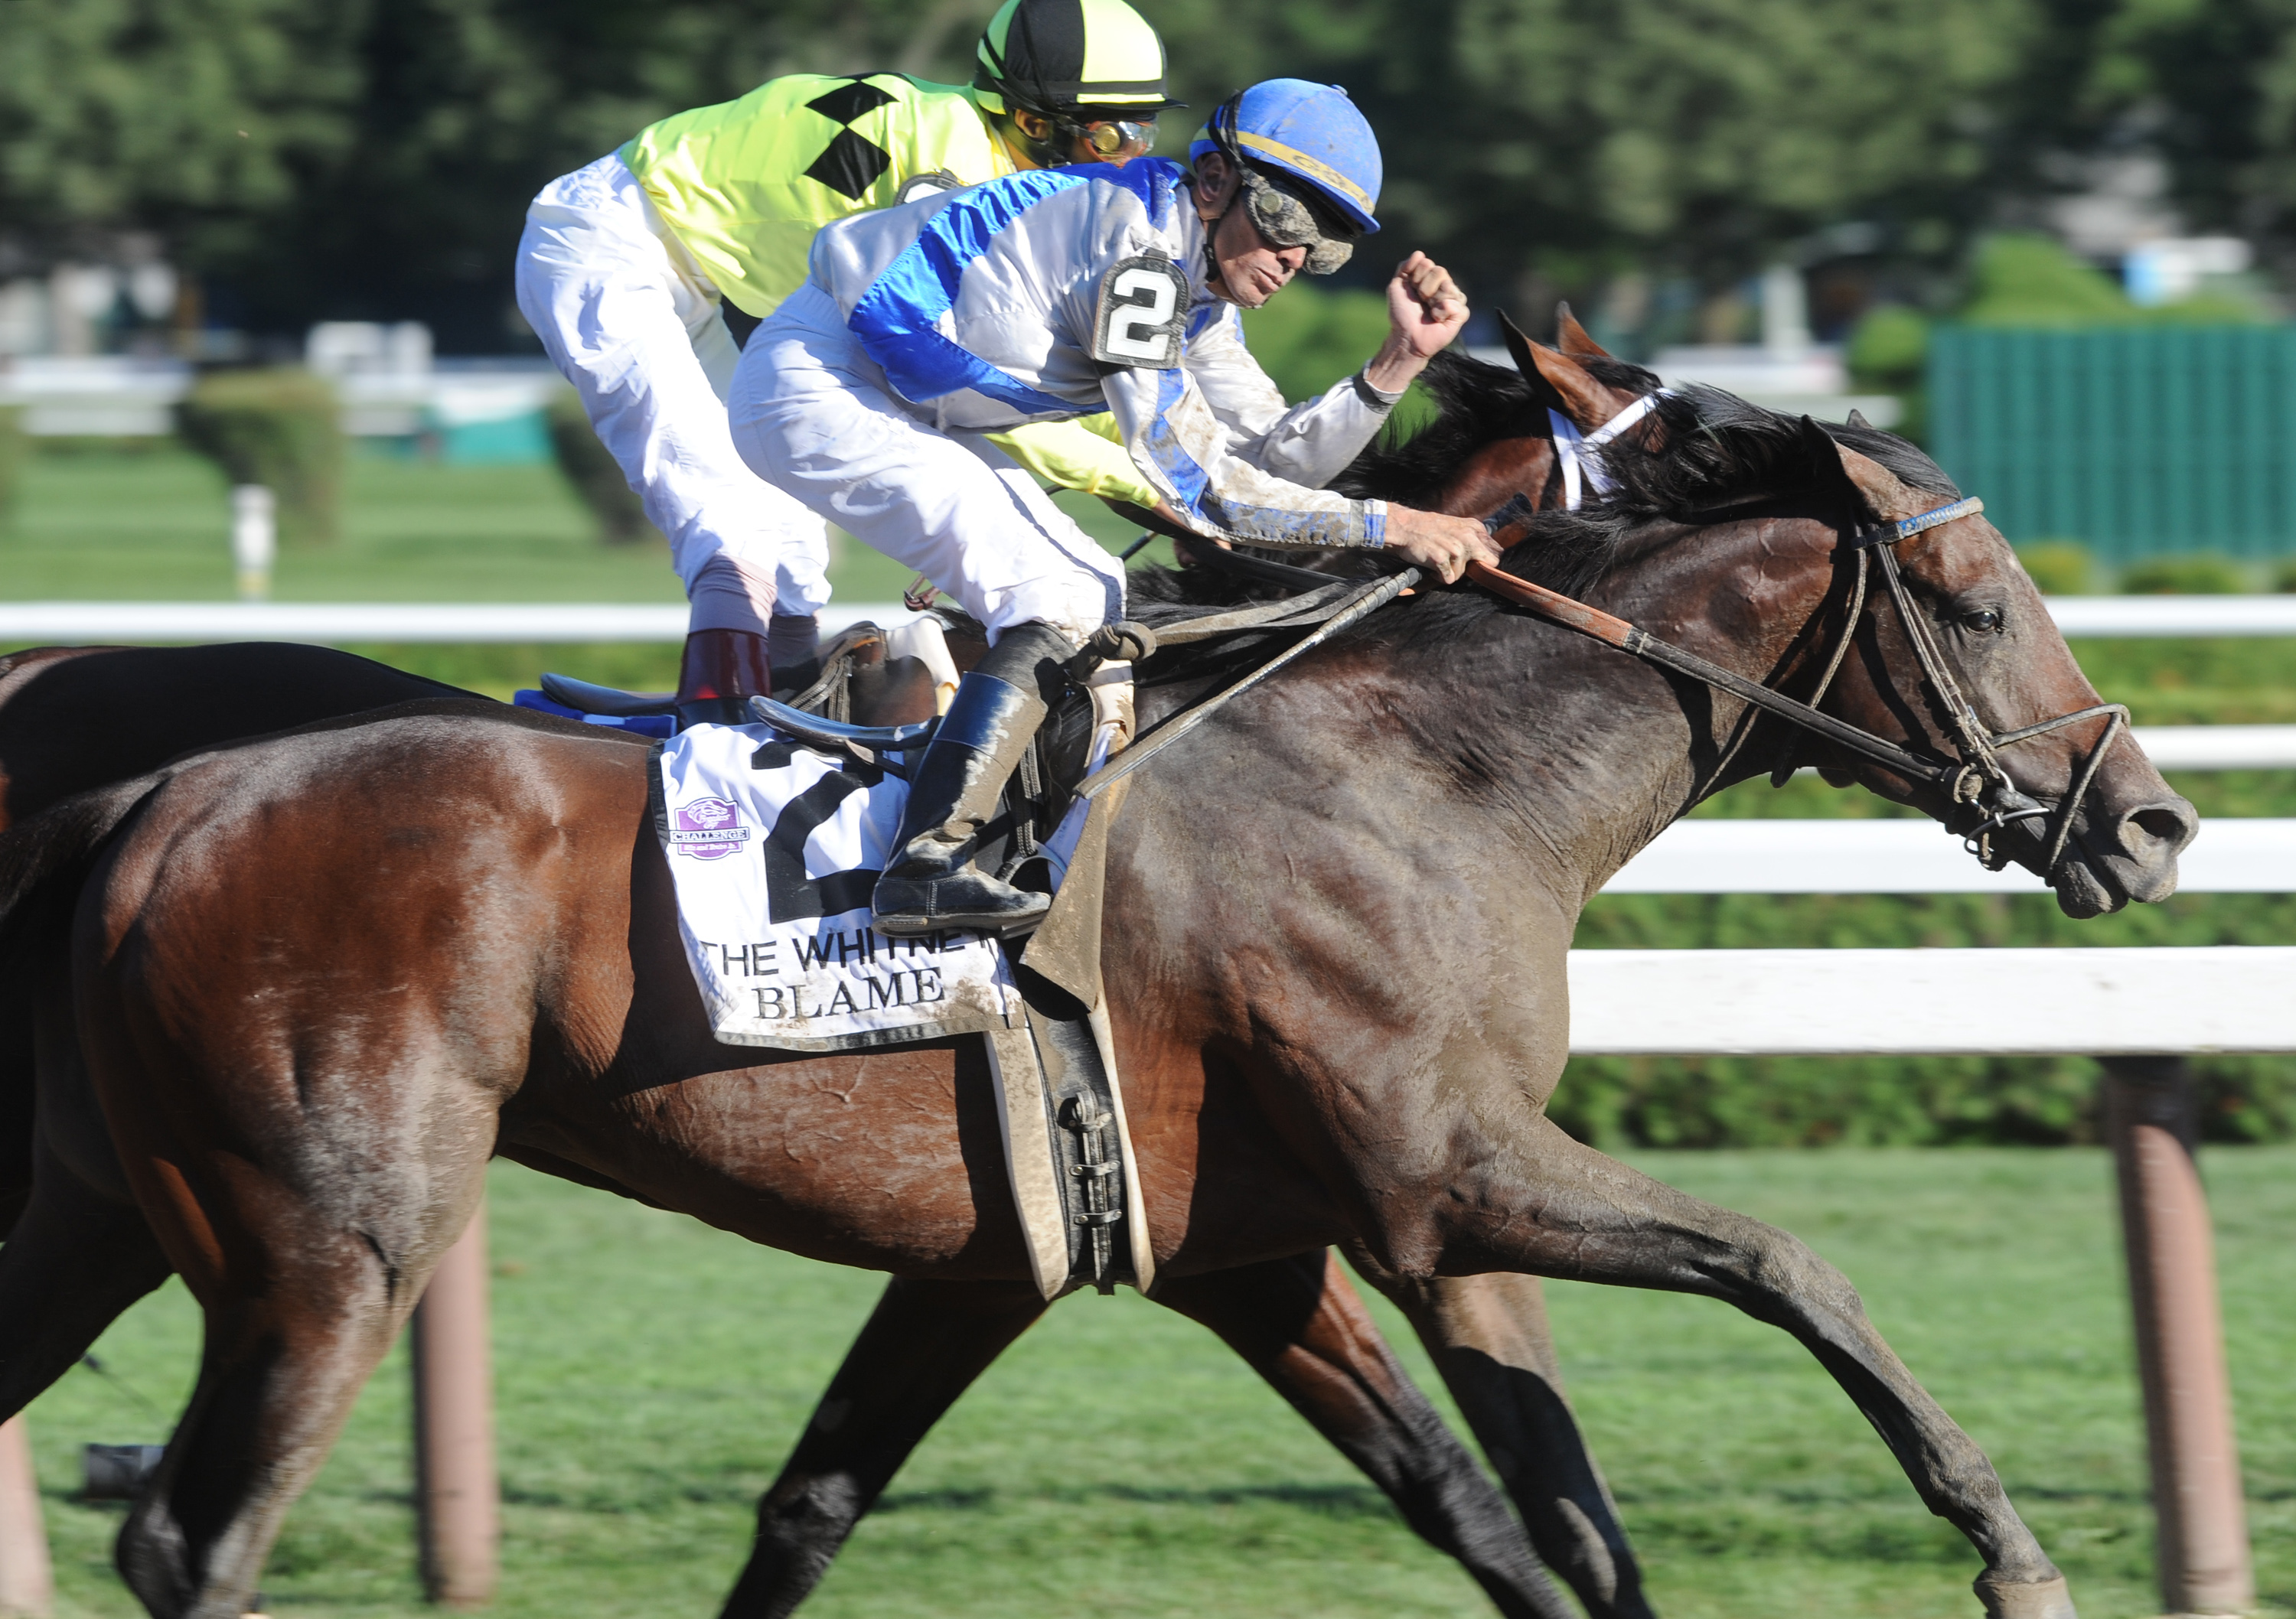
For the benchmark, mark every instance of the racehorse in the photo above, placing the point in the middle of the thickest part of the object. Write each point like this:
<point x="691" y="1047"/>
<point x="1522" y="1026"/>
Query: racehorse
<point x="1338" y="988"/>
<point x="73" y="718"/>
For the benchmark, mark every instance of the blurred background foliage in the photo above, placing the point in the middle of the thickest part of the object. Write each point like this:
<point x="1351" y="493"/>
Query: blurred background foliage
<point x="349" y="158"/>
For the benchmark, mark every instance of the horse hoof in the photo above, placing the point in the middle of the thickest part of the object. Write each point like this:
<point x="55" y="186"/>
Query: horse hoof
<point x="2026" y="1599"/>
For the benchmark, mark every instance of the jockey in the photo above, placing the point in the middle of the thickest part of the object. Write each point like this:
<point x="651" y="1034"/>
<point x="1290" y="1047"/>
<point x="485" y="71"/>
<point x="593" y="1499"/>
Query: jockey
<point x="1048" y="296"/>
<point x="623" y="263"/>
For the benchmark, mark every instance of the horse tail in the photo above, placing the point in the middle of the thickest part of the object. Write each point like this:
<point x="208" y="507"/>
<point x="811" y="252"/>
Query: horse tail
<point x="44" y="860"/>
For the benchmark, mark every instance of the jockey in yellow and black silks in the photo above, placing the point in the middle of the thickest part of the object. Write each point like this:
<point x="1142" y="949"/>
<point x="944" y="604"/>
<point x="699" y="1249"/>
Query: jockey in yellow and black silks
<point x="624" y="264"/>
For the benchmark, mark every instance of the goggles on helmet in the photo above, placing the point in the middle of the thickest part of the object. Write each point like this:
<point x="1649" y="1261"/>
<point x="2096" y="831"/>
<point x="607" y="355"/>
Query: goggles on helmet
<point x="1286" y="219"/>
<point x="1111" y="140"/>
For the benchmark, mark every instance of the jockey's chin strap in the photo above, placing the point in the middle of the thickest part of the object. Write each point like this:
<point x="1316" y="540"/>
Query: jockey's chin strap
<point x="1975" y="778"/>
<point x="1581" y="455"/>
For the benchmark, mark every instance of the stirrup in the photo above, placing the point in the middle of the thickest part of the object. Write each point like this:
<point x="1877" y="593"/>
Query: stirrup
<point x="967" y="900"/>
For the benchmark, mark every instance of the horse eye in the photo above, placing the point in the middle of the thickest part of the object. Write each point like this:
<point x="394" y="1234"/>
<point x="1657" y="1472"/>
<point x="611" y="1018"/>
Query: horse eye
<point x="1983" y="621"/>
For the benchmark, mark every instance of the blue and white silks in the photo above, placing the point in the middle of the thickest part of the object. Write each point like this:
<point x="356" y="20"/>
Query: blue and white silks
<point x="980" y="307"/>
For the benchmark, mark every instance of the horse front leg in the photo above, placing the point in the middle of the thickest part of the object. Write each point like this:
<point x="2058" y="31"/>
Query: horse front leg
<point x="923" y="1346"/>
<point x="1306" y="1330"/>
<point x="1488" y="1337"/>
<point x="1542" y="1203"/>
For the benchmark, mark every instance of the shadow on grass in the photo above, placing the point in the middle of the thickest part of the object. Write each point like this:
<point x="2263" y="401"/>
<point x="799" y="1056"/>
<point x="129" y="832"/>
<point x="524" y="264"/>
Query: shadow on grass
<point x="1327" y="1501"/>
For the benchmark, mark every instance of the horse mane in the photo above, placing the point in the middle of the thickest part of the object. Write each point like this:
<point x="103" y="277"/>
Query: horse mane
<point x="1475" y="403"/>
<point x="1720" y="450"/>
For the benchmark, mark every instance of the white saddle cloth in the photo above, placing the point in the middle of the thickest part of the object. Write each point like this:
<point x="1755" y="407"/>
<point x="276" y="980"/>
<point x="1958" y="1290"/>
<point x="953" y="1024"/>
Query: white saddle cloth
<point x="773" y="849"/>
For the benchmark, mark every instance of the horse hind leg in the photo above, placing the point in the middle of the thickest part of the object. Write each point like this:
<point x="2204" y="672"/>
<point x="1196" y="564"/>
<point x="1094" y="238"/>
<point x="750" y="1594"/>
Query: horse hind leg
<point x="1301" y="1327"/>
<point x="294" y="1327"/>
<point x="73" y="1262"/>
<point x="1488" y="1337"/>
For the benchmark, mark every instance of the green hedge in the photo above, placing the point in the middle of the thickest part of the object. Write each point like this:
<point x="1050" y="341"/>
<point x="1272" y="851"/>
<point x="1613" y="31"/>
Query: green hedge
<point x="594" y="472"/>
<point x="279" y="428"/>
<point x="15" y="449"/>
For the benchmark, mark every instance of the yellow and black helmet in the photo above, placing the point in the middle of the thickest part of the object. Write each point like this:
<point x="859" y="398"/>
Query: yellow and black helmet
<point x="1060" y="58"/>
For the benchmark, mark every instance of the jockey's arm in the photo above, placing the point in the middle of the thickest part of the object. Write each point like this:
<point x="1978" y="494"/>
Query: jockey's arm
<point x="1310" y="443"/>
<point x="1205" y="470"/>
<point x="1212" y="473"/>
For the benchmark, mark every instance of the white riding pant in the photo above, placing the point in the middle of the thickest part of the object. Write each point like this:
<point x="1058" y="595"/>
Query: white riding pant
<point x="813" y="415"/>
<point x="634" y="325"/>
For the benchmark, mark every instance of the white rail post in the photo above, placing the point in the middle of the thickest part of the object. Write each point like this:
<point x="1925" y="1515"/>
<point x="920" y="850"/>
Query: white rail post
<point x="457" y="1498"/>
<point x="27" y="1582"/>
<point x="2203" y="1554"/>
<point x="254" y="539"/>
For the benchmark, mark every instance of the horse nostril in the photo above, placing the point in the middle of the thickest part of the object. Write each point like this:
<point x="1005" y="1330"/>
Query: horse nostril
<point x="2157" y="832"/>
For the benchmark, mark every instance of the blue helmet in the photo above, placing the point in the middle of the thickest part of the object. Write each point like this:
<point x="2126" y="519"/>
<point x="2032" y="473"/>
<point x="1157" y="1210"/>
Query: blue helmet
<point x="1311" y="132"/>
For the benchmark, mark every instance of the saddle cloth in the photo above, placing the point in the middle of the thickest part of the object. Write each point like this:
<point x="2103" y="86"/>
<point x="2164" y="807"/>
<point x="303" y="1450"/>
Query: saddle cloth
<point x="773" y="849"/>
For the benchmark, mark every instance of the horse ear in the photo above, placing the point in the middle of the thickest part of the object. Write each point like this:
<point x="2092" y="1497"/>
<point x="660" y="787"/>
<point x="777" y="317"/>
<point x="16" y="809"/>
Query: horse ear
<point x="1544" y="395"/>
<point x="1572" y="338"/>
<point x="1518" y="345"/>
<point x="1890" y="496"/>
<point x="1857" y="419"/>
<point x="1561" y="379"/>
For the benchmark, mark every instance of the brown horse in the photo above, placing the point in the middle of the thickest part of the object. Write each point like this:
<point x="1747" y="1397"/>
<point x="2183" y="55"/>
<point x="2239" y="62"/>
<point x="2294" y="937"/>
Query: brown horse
<point x="74" y="718"/>
<point x="1337" y="990"/>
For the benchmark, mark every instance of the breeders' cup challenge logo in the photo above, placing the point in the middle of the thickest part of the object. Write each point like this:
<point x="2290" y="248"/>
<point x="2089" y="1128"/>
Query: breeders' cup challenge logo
<point x="707" y="829"/>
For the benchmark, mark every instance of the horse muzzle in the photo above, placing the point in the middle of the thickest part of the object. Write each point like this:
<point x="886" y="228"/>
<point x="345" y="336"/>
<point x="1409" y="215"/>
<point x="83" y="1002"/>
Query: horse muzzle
<point x="2114" y="857"/>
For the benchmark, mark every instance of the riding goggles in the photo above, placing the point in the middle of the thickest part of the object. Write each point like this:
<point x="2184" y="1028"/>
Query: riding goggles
<point x="1287" y="220"/>
<point x="1112" y="140"/>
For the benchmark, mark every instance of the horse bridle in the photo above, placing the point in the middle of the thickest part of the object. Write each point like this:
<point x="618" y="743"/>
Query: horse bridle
<point x="1975" y="778"/>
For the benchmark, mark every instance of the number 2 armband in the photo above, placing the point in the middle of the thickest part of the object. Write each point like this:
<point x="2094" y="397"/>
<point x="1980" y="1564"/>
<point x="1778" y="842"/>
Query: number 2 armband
<point x="1143" y="316"/>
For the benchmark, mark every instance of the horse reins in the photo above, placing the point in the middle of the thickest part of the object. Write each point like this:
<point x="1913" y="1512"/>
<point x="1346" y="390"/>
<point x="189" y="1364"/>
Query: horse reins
<point x="1976" y="778"/>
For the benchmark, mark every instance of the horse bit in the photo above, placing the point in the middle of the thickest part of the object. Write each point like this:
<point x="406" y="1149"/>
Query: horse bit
<point x="1975" y="778"/>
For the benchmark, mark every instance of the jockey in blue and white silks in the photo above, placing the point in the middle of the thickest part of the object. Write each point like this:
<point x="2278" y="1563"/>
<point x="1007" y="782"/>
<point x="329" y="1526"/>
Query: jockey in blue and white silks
<point x="1050" y="295"/>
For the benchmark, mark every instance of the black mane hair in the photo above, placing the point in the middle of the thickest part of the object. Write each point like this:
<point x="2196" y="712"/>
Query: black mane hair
<point x="1475" y="402"/>
<point x="1722" y="452"/>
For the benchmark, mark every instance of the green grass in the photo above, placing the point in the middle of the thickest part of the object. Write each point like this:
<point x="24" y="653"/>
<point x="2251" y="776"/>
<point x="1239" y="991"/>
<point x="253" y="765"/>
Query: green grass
<point x="653" y="1372"/>
<point x="154" y="525"/>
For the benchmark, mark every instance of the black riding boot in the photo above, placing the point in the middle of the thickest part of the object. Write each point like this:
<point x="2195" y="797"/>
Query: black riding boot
<point x="931" y="884"/>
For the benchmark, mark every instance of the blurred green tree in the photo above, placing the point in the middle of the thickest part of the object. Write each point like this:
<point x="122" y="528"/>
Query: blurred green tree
<point x="388" y="150"/>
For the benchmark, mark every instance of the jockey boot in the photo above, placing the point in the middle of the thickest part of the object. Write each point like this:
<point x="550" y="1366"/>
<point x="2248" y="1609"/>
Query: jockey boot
<point x="794" y="644"/>
<point x="931" y="883"/>
<point x="721" y="671"/>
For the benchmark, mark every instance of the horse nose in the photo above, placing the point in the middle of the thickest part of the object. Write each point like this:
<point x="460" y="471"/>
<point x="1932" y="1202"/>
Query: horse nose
<point x="2151" y="836"/>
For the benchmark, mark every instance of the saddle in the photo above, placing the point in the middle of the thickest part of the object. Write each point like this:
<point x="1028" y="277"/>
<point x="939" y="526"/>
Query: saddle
<point x="1068" y="1152"/>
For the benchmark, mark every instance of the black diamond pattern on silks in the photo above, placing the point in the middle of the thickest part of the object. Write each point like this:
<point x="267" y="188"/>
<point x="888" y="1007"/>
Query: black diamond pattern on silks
<point x="852" y="162"/>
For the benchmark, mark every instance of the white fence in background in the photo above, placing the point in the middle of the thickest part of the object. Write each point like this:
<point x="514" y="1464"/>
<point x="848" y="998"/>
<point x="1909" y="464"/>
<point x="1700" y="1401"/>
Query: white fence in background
<point x="2098" y="1003"/>
<point x="24" y="623"/>
<point x="1919" y="856"/>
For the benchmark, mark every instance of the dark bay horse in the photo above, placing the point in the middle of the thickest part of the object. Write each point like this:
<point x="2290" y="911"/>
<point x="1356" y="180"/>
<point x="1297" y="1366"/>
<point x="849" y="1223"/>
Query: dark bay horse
<point x="74" y="718"/>
<point x="1338" y="988"/>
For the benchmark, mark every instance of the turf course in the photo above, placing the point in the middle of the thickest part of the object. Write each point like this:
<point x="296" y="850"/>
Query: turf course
<point x="653" y="1372"/>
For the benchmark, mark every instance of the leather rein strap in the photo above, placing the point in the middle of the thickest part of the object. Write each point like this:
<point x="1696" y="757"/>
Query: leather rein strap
<point x="1975" y="778"/>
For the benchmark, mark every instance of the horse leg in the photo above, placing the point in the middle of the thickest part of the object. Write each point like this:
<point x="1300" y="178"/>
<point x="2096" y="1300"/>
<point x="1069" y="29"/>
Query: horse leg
<point x="1553" y="1207"/>
<point x="74" y="1261"/>
<point x="1488" y="1337"/>
<point x="297" y="1315"/>
<point x="1305" y="1329"/>
<point x="307" y="1247"/>
<point x="922" y="1347"/>
<point x="80" y="1252"/>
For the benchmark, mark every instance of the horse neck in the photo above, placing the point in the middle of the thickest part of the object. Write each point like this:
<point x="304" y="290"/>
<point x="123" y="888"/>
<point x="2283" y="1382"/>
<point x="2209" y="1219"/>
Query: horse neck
<point x="1578" y="754"/>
